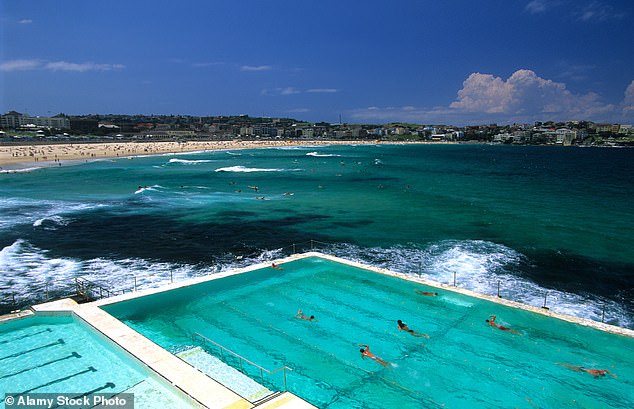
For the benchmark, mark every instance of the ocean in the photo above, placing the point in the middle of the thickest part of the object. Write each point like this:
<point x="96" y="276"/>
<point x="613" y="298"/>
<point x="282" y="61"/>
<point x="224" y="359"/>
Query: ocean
<point x="541" y="224"/>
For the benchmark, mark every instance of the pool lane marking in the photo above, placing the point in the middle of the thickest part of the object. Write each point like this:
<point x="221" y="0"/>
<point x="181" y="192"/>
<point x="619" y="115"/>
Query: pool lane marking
<point x="326" y="354"/>
<point x="74" y="354"/>
<point x="6" y="341"/>
<point x="52" y="344"/>
<point x="90" y="369"/>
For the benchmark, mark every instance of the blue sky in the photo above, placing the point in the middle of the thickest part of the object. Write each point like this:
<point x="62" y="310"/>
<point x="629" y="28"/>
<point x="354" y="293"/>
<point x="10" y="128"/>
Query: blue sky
<point x="427" y="61"/>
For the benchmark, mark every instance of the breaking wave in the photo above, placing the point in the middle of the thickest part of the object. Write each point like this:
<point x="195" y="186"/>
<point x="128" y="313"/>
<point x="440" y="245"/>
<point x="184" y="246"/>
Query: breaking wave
<point x="39" y="213"/>
<point x="321" y="155"/>
<point x="479" y="266"/>
<point x="30" y="273"/>
<point x="190" y="162"/>
<point x="243" y="169"/>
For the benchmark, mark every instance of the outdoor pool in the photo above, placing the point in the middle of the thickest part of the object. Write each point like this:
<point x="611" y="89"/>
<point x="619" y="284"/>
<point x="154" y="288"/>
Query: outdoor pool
<point x="61" y="354"/>
<point x="464" y="363"/>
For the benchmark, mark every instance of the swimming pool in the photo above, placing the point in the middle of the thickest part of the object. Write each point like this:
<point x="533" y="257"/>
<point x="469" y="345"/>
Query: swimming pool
<point x="464" y="364"/>
<point x="60" y="354"/>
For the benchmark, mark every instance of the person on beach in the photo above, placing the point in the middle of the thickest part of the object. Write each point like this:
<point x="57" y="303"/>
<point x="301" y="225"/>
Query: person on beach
<point x="426" y="293"/>
<point x="365" y="352"/>
<point x="403" y="327"/>
<point x="301" y="316"/>
<point x="597" y="373"/>
<point x="491" y="322"/>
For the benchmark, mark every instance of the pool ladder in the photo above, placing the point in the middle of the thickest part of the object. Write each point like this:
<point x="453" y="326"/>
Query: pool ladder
<point x="204" y="340"/>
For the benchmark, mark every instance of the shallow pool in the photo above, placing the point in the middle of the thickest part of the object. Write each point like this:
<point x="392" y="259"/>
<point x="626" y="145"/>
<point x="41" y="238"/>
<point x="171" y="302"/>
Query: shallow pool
<point x="60" y="354"/>
<point x="465" y="363"/>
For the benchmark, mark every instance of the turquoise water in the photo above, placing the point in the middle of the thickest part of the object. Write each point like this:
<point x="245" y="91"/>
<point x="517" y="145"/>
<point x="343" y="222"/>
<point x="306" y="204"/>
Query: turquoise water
<point x="60" y="355"/>
<point x="464" y="364"/>
<point x="536" y="219"/>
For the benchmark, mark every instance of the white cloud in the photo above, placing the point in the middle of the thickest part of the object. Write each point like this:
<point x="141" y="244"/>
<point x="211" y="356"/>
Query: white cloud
<point x="280" y="91"/>
<point x="81" y="67"/>
<point x="206" y="64"/>
<point x="536" y="7"/>
<point x="25" y="65"/>
<point x="322" y="90"/>
<point x="596" y="11"/>
<point x="20" y="65"/>
<point x="25" y="21"/>
<point x="524" y="93"/>
<point x="628" y="102"/>
<point x="523" y="97"/>
<point x="256" y="68"/>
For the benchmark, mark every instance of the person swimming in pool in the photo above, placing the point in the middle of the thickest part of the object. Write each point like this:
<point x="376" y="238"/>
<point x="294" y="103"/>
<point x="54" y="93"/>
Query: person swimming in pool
<point x="300" y="315"/>
<point x="275" y="266"/>
<point x="427" y="293"/>
<point x="365" y="352"/>
<point x="597" y="373"/>
<point x="491" y="322"/>
<point x="403" y="327"/>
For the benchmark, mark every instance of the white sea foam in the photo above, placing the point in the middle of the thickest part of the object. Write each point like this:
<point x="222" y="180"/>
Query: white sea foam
<point x="479" y="266"/>
<point x="28" y="272"/>
<point x="18" y="211"/>
<point x="321" y="155"/>
<point x="51" y="223"/>
<point x="153" y="188"/>
<point x="22" y="170"/>
<point x="190" y="162"/>
<point x="243" y="169"/>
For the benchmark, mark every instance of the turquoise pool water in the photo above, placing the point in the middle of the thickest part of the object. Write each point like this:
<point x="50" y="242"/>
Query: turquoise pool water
<point x="464" y="364"/>
<point x="61" y="354"/>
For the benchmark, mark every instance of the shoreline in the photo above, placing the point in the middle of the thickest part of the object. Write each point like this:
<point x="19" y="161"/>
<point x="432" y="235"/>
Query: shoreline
<point x="20" y="158"/>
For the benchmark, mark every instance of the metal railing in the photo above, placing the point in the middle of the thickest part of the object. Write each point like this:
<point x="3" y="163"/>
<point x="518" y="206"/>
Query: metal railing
<point x="204" y="341"/>
<point x="88" y="291"/>
<point x="91" y="291"/>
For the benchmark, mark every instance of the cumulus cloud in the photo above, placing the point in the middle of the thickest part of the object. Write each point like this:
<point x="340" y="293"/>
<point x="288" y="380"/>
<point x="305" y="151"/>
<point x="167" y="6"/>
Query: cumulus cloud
<point x="524" y="93"/>
<point x="523" y="97"/>
<point x="536" y="7"/>
<point x="256" y="68"/>
<point x="25" y="65"/>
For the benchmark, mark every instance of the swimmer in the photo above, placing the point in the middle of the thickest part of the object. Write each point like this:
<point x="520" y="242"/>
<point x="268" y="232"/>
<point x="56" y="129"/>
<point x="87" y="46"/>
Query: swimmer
<point x="427" y="293"/>
<point x="597" y="373"/>
<point x="300" y="315"/>
<point x="277" y="267"/>
<point x="253" y="187"/>
<point x="403" y="327"/>
<point x="366" y="352"/>
<point x="491" y="322"/>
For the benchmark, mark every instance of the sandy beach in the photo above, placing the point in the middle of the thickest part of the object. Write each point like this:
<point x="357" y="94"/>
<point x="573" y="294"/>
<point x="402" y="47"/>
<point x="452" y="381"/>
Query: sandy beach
<point x="15" y="157"/>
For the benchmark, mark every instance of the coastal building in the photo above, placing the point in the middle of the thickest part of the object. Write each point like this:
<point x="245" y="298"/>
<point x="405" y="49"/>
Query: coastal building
<point x="16" y="120"/>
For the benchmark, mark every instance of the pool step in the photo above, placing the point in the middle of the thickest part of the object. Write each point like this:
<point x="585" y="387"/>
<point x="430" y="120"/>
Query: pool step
<point x="225" y="374"/>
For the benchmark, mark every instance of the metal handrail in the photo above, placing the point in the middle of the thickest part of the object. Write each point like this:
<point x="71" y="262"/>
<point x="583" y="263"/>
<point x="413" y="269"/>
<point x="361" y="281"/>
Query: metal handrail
<point x="243" y="359"/>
